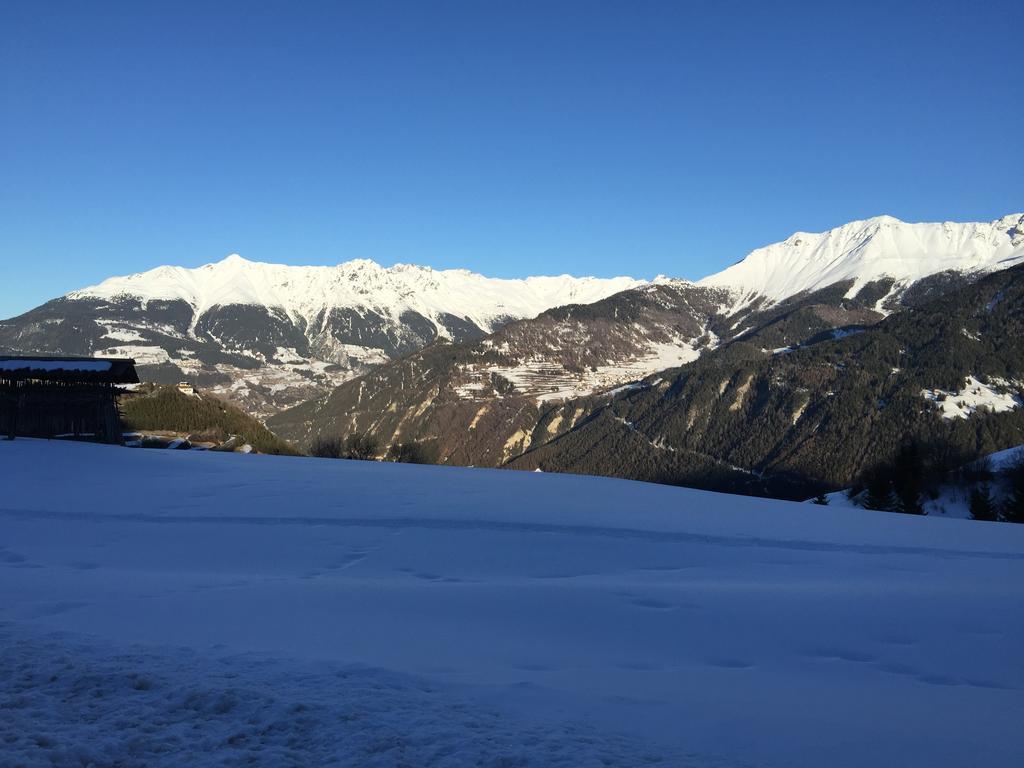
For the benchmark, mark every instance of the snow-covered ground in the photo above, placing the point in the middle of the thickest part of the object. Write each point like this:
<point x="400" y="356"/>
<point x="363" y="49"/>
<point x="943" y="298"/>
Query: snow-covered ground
<point x="975" y="396"/>
<point x="163" y="608"/>
<point x="545" y="381"/>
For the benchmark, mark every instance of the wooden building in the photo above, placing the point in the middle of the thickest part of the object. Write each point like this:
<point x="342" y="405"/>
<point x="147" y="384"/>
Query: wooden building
<point x="63" y="396"/>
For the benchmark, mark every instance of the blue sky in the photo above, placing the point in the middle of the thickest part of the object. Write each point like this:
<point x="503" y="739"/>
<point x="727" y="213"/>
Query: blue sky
<point x="511" y="138"/>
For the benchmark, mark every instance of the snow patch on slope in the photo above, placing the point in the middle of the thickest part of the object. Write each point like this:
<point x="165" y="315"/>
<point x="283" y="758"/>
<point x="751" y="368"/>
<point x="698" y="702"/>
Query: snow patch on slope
<point x="545" y="381"/>
<point x="975" y="396"/>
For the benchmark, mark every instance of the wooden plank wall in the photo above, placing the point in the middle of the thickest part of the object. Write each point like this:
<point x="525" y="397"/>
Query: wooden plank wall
<point x="38" y="409"/>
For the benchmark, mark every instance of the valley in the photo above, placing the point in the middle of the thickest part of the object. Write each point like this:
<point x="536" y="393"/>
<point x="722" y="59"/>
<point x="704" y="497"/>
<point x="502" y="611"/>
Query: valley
<point x="774" y="397"/>
<point x="511" y="385"/>
<point x="746" y="381"/>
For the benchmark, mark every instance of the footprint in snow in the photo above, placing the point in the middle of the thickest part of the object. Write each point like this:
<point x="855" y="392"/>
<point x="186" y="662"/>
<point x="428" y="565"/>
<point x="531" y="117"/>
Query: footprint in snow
<point x="730" y="664"/>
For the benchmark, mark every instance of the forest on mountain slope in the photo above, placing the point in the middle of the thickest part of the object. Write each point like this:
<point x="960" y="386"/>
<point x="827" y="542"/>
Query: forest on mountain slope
<point x="485" y="401"/>
<point x="796" y="421"/>
<point x="203" y="417"/>
<point x="803" y="396"/>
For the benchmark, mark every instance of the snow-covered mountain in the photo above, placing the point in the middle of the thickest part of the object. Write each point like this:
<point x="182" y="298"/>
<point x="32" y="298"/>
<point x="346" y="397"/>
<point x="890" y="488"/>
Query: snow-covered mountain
<point x="864" y="252"/>
<point x="485" y="402"/>
<point x="308" y="295"/>
<point x="269" y="335"/>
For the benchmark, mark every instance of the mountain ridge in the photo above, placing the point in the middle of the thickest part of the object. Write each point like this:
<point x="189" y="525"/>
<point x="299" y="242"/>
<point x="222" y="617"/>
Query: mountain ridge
<point x="871" y="249"/>
<point x="305" y="291"/>
<point x="749" y="415"/>
<point x="976" y="246"/>
<point x="792" y="421"/>
<point x="268" y="336"/>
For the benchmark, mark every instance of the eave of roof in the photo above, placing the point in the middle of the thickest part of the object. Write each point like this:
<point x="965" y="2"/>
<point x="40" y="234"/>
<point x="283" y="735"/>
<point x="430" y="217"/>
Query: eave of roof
<point x="107" y="370"/>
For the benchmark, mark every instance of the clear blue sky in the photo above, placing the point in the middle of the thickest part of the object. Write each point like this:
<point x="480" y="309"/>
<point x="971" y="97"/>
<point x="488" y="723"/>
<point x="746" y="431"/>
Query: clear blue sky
<point x="506" y="137"/>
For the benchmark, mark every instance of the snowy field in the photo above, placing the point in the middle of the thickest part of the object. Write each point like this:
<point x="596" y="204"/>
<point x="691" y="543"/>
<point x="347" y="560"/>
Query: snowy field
<point x="168" y="608"/>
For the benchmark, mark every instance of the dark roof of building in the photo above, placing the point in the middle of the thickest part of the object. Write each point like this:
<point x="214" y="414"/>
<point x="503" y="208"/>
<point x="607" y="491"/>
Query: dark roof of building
<point x="85" y="370"/>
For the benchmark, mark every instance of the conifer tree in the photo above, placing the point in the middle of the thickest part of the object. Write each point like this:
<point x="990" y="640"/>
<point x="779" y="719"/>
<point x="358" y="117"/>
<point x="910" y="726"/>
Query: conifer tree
<point x="879" y="493"/>
<point x="1013" y="505"/>
<point x="907" y="474"/>
<point x="981" y="505"/>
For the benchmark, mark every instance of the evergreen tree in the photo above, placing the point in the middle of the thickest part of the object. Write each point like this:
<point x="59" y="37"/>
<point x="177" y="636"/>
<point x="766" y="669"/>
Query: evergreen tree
<point x="879" y="493"/>
<point x="412" y="453"/>
<point x="1013" y="505"/>
<point x="982" y="506"/>
<point x="326" y="448"/>
<point x="907" y="477"/>
<point x="202" y="417"/>
<point x="363" y="447"/>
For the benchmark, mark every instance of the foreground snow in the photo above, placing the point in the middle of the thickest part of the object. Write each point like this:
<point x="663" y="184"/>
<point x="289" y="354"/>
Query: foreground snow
<point x="178" y="608"/>
<point x="72" y="703"/>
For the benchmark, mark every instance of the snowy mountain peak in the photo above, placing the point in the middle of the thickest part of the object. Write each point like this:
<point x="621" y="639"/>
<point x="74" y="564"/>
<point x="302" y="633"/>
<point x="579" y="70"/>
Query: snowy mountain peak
<point x="872" y="249"/>
<point x="306" y="291"/>
<point x="1015" y="227"/>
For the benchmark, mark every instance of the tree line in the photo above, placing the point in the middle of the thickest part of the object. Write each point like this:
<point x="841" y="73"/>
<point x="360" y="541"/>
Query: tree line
<point x="366" y="447"/>
<point x="204" y="418"/>
<point x="919" y="471"/>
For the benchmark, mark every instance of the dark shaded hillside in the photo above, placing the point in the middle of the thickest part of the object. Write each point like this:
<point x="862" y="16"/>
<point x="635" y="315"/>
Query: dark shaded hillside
<point x="204" y="417"/>
<point x="478" y="401"/>
<point x="815" y="417"/>
<point x="483" y="403"/>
